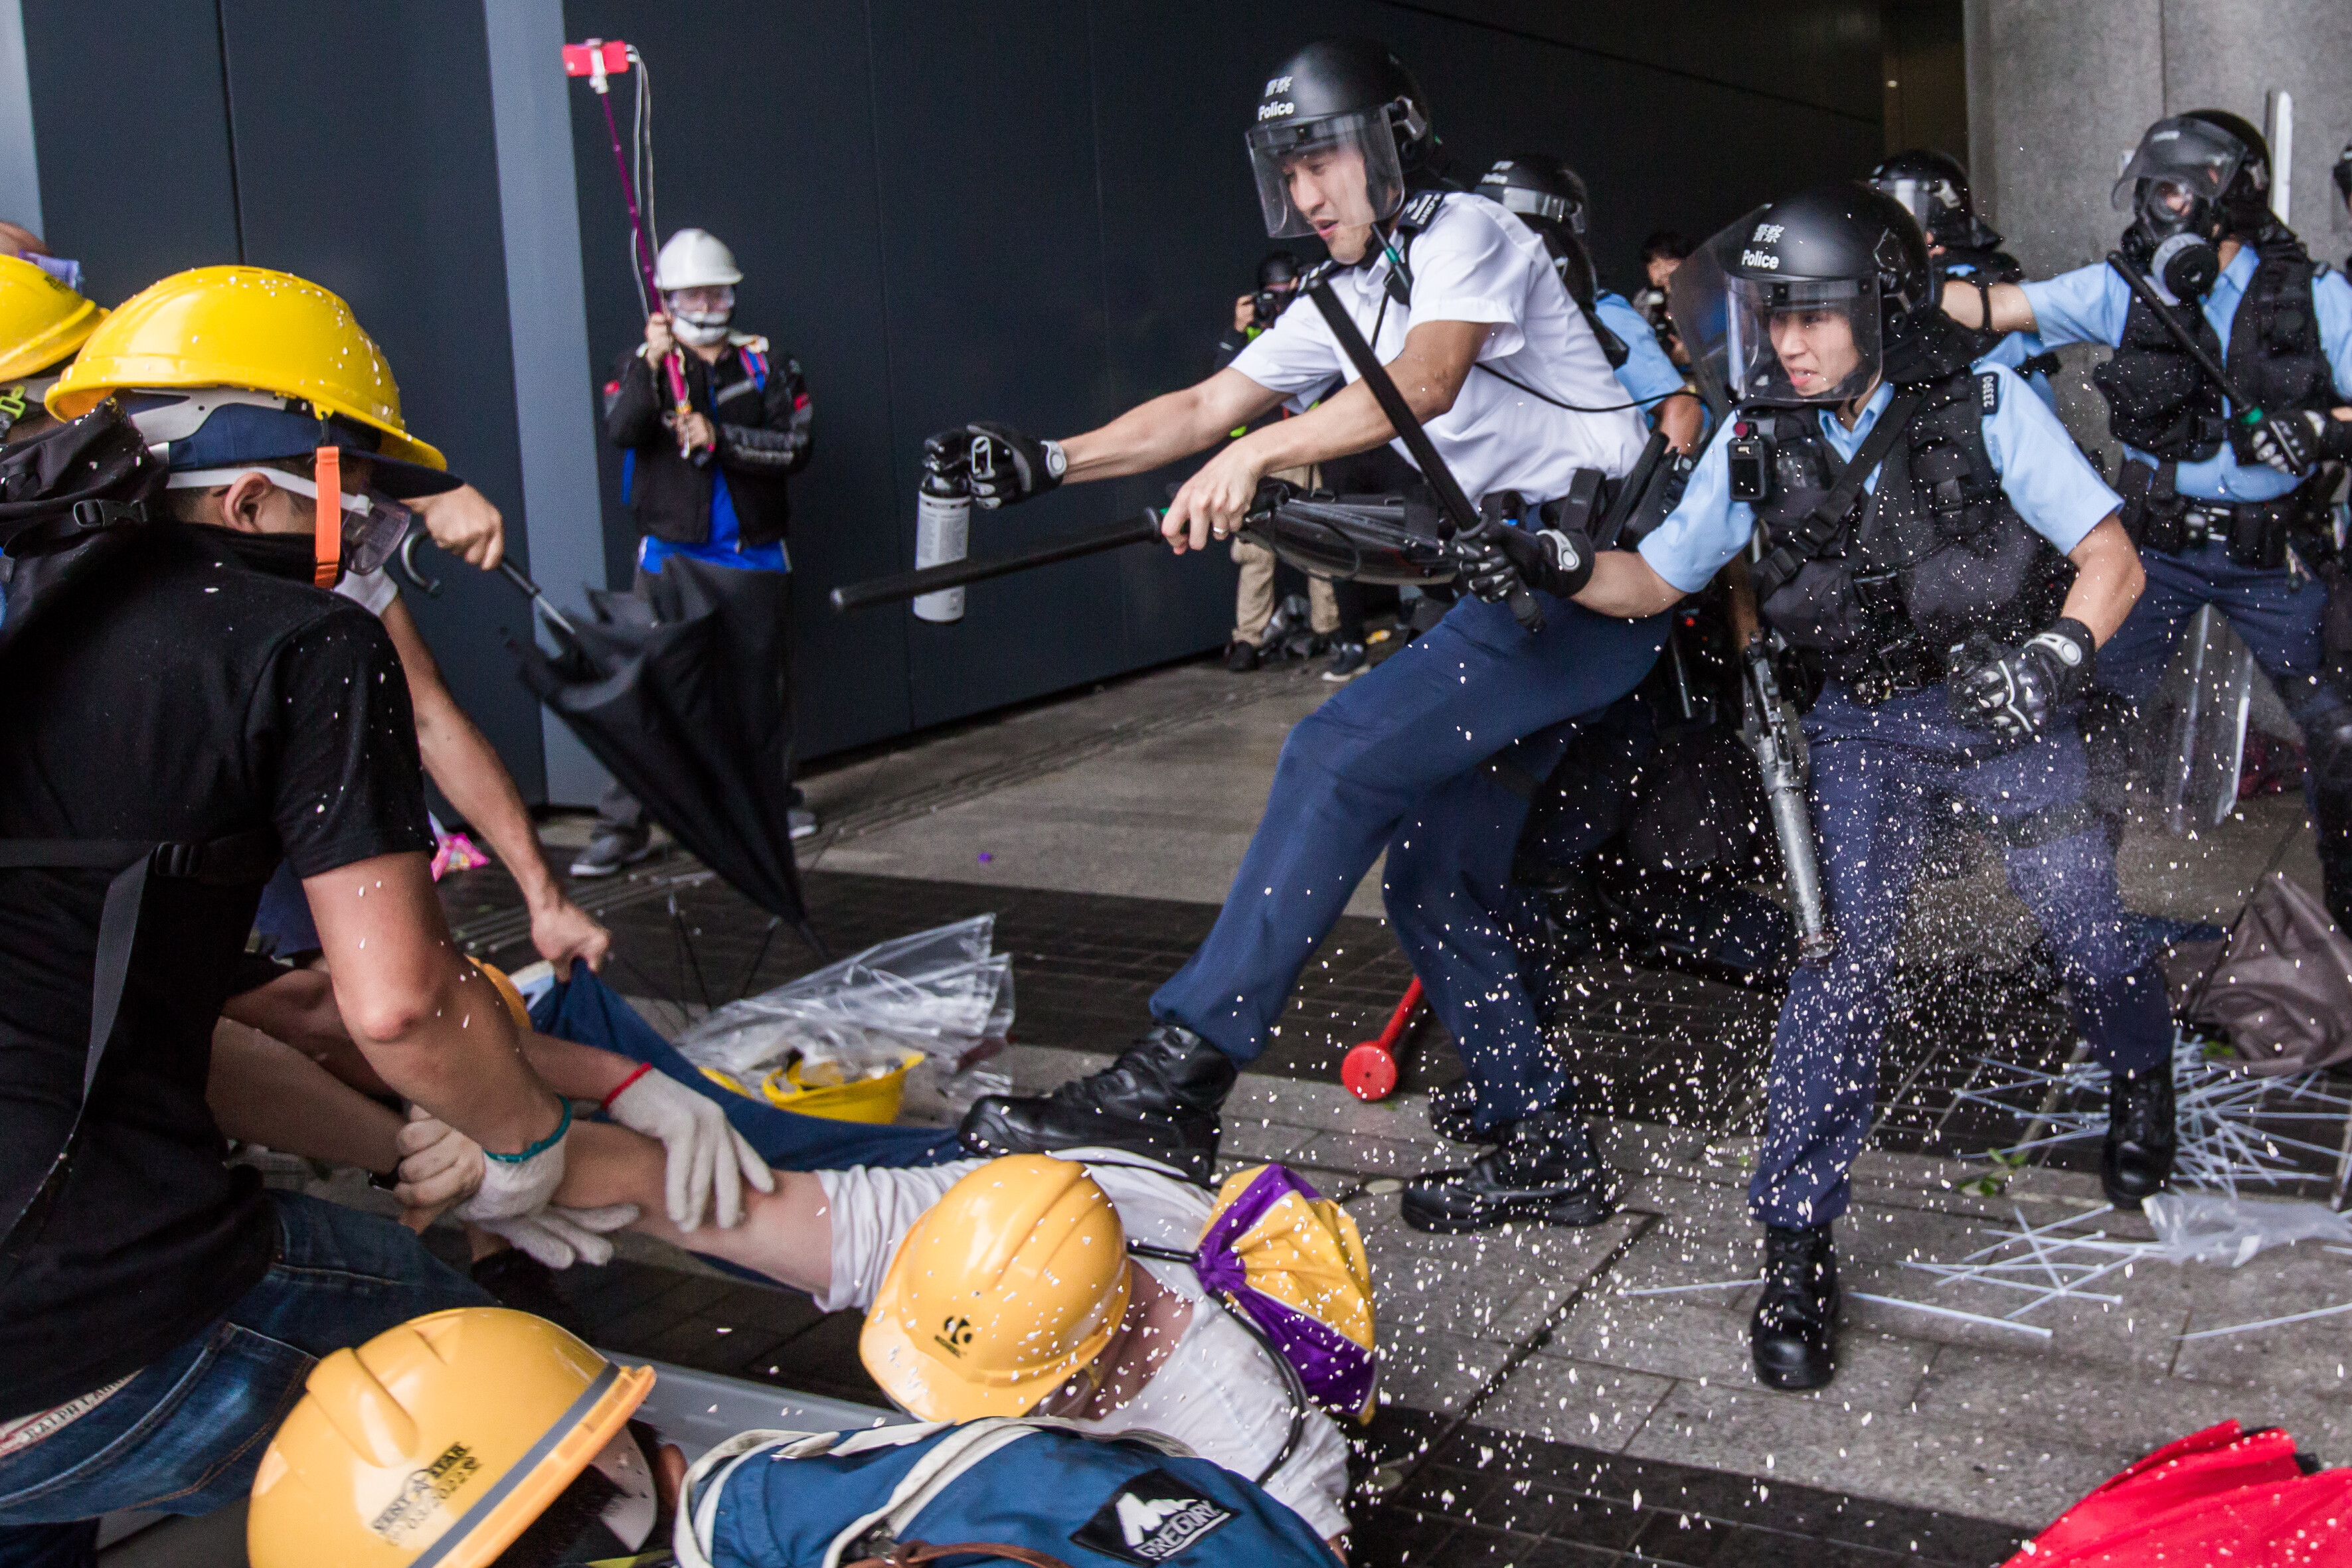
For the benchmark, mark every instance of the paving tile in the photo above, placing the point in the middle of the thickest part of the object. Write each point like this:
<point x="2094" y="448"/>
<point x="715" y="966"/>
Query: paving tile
<point x="1598" y="1406"/>
<point x="1472" y="1546"/>
<point x="1708" y="1343"/>
<point x="1974" y="1469"/>
<point x="1434" y="1370"/>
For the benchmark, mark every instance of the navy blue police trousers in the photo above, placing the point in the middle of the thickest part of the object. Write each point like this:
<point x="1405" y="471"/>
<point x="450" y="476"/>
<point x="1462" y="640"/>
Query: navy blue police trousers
<point x="1877" y="773"/>
<point x="1393" y="763"/>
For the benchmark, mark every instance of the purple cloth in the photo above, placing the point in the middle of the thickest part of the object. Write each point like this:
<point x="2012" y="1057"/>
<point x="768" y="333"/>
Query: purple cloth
<point x="1335" y="1369"/>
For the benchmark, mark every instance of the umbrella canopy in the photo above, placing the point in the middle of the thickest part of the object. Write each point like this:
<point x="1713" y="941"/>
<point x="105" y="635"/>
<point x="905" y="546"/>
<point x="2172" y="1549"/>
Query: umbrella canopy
<point x="681" y="696"/>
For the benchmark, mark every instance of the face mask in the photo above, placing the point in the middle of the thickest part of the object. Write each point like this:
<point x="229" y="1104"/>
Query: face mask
<point x="289" y="556"/>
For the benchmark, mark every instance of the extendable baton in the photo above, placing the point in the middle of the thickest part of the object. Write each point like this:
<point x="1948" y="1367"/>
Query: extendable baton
<point x="2248" y="412"/>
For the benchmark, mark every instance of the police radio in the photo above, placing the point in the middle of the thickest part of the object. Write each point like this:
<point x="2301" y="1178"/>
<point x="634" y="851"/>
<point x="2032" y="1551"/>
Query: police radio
<point x="1748" y="455"/>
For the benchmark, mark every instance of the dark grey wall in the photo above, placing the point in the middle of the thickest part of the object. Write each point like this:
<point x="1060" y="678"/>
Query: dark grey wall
<point x="1038" y="213"/>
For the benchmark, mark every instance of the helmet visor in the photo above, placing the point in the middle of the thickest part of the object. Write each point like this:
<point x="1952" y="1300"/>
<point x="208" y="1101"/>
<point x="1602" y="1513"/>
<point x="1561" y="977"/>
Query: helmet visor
<point x="1698" y="299"/>
<point x="1927" y="201"/>
<point x="1320" y="175"/>
<point x="2181" y="160"/>
<point x="1802" y="340"/>
<point x="1539" y="205"/>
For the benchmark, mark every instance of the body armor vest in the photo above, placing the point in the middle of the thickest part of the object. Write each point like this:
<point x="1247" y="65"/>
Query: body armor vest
<point x="1934" y="553"/>
<point x="2161" y="403"/>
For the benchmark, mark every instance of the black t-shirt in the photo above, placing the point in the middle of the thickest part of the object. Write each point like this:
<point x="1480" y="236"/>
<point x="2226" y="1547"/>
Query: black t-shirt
<point x="178" y="696"/>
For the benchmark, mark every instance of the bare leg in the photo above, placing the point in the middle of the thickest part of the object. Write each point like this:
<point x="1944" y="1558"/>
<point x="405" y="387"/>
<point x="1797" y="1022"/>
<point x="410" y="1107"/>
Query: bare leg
<point x="786" y="1235"/>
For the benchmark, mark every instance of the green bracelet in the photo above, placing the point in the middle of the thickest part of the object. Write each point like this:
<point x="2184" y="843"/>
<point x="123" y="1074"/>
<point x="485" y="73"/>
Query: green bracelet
<point x="542" y="1146"/>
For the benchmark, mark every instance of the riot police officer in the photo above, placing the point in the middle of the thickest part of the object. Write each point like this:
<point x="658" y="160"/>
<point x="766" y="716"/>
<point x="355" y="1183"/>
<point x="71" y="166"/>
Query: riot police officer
<point x="1515" y="397"/>
<point x="2218" y="497"/>
<point x="1917" y="510"/>
<point x="1550" y="199"/>
<point x="1934" y="189"/>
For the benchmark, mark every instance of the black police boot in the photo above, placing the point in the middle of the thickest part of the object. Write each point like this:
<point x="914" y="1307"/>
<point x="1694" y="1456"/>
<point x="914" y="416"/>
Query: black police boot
<point x="1546" y="1171"/>
<point x="1454" y="1111"/>
<point x="2136" y="1159"/>
<point x="1159" y="1099"/>
<point x="1792" y="1337"/>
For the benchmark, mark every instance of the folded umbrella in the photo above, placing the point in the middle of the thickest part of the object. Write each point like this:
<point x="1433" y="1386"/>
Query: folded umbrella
<point x="682" y="697"/>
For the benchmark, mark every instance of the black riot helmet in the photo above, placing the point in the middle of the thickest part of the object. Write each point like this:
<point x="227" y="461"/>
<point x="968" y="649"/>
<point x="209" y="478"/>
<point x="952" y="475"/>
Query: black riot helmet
<point x="1804" y="301"/>
<point x="2246" y="201"/>
<point x="2194" y="180"/>
<point x="1934" y="189"/>
<point x="1334" y="103"/>
<point x="1550" y="198"/>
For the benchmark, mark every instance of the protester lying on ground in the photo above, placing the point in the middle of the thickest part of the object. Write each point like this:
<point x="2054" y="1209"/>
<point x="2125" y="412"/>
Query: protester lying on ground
<point x="992" y="1288"/>
<point x="526" y="1437"/>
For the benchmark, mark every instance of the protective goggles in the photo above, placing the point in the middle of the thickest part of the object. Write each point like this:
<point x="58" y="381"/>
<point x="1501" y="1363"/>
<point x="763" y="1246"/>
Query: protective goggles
<point x="715" y="300"/>
<point x="373" y="524"/>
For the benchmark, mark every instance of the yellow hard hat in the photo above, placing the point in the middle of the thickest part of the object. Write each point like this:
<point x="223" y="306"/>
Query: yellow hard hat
<point x="42" y="321"/>
<point x="1006" y="1288"/>
<point x="516" y="1006"/>
<point x="441" y="1439"/>
<point x="244" y="327"/>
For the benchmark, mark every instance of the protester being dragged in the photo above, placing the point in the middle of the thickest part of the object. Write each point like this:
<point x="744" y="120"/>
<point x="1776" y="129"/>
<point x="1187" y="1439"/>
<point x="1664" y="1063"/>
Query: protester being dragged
<point x="711" y="425"/>
<point x="187" y="708"/>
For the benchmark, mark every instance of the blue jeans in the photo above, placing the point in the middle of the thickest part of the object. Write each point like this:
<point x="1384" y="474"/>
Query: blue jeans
<point x="185" y="1435"/>
<point x="1392" y="763"/>
<point x="1877" y="773"/>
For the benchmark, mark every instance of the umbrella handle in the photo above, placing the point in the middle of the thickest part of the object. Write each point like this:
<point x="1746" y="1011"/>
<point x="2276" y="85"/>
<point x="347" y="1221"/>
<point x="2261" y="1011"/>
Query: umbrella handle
<point x="428" y="586"/>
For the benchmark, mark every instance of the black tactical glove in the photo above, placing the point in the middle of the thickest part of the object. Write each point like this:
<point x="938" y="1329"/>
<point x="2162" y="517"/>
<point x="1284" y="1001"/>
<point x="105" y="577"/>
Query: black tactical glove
<point x="2294" y="444"/>
<point x="1499" y="556"/>
<point x="1005" y="467"/>
<point x="2018" y="692"/>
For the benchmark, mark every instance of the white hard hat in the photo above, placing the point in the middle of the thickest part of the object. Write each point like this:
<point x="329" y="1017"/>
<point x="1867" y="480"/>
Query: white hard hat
<point x="694" y="258"/>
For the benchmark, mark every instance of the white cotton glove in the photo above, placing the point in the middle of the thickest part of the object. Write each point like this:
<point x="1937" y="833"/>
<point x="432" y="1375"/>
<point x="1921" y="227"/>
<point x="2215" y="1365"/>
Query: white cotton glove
<point x="440" y="1165"/>
<point x="559" y="1237"/>
<point x="709" y="1161"/>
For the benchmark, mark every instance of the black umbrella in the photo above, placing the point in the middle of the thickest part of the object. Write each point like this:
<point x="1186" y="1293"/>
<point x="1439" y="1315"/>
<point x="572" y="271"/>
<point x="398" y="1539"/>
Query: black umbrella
<point x="682" y="697"/>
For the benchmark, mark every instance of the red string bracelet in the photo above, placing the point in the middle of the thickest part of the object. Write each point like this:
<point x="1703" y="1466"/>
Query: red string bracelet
<point x="606" y="1103"/>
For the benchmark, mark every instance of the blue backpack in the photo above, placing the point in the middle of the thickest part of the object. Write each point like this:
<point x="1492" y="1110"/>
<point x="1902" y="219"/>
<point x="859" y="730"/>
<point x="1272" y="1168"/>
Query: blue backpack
<point x="1031" y="1492"/>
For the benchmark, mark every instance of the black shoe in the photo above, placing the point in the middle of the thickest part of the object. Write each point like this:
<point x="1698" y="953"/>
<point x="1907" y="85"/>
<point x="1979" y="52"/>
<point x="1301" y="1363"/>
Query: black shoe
<point x="1792" y="1337"/>
<point x="516" y="1278"/>
<point x="1241" y="657"/>
<point x="1348" y="660"/>
<point x="2136" y="1159"/>
<point x="1547" y="1171"/>
<point x="1159" y="1099"/>
<point x="611" y="849"/>
<point x="1454" y="1114"/>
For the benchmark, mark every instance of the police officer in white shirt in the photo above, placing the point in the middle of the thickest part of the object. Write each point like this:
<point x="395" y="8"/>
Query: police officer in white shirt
<point x="1461" y="300"/>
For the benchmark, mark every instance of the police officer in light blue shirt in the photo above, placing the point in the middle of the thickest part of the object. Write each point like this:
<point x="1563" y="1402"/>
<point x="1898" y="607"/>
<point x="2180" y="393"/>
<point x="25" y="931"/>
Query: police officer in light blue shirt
<point x="1550" y="198"/>
<point x="1934" y="189"/>
<point x="2220" y="497"/>
<point x="1916" y="509"/>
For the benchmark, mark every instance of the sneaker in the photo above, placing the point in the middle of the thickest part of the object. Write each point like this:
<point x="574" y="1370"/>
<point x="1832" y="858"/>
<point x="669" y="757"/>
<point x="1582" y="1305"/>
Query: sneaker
<point x="611" y="849"/>
<point x="1792" y="1336"/>
<point x="804" y="823"/>
<point x="1241" y="657"/>
<point x="1158" y="1100"/>
<point x="1548" y="1171"/>
<point x="1347" y="660"/>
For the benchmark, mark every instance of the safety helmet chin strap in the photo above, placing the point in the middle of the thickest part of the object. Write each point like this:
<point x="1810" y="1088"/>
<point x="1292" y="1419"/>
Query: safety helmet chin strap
<point x="327" y="537"/>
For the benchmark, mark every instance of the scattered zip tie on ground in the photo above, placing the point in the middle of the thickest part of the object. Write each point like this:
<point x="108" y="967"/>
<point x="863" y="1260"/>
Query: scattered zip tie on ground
<point x="2047" y="1262"/>
<point x="2272" y="1323"/>
<point x="2228" y="1116"/>
<point x="2034" y="1329"/>
<point x="1710" y="1285"/>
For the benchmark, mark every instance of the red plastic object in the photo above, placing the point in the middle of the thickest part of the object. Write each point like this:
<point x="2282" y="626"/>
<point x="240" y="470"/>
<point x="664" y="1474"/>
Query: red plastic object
<point x="1370" y="1072"/>
<point x="578" y="60"/>
<point x="2222" y="1495"/>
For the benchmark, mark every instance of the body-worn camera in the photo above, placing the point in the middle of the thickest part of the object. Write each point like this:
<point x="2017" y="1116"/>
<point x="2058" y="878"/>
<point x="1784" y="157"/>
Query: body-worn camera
<point x="1748" y="455"/>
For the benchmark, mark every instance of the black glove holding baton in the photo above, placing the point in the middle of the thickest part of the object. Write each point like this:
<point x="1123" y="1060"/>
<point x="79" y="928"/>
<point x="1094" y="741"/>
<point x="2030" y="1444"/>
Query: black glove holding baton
<point x="1499" y="558"/>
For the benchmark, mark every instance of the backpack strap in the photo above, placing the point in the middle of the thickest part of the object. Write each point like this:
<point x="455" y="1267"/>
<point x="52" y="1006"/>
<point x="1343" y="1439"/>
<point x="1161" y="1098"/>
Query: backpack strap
<point x="248" y="857"/>
<point x="1827" y="519"/>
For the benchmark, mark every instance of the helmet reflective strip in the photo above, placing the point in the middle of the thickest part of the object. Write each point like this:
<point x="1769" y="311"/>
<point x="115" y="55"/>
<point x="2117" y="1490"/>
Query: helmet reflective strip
<point x="1535" y="202"/>
<point x="529" y="1460"/>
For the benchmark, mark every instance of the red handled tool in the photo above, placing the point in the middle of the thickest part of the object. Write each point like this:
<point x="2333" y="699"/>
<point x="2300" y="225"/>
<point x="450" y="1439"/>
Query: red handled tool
<point x="600" y="59"/>
<point x="1370" y="1072"/>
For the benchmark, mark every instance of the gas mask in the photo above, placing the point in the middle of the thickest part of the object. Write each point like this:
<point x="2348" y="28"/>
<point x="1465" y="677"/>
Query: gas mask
<point x="2173" y="185"/>
<point x="699" y="316"/>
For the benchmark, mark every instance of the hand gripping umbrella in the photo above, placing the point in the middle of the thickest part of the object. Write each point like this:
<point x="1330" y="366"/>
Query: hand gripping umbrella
<point x="682" y="697"/>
